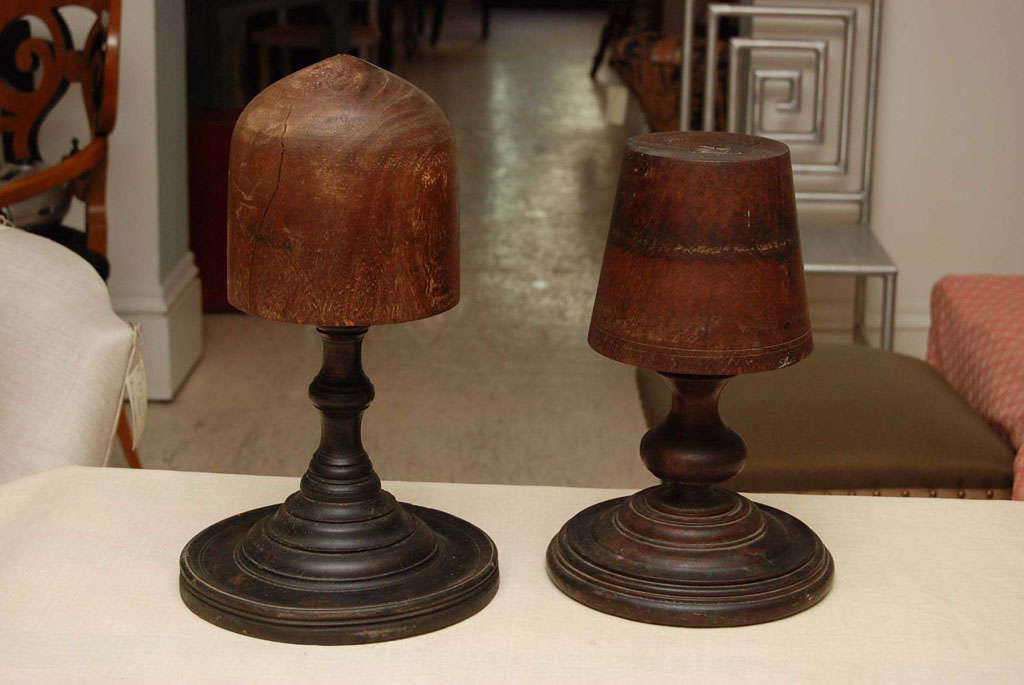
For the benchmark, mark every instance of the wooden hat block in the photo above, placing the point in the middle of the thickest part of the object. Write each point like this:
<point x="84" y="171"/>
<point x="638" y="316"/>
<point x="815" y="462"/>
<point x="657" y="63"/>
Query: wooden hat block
<point x="341" y="214"/>
<point x="702" y="279"/>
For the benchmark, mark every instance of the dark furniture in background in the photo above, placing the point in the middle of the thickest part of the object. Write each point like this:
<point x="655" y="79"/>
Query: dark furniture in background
<point x="209" y="141"/>
<point x="54" y="64"/>
<point x="438" y="20"/>
<point x="216" y="36"/>
<point x="626" y="17"/>
<point x="648" y="64"/>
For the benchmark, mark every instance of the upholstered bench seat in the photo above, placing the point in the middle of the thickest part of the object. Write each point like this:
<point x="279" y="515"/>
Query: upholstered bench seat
<point x="855" y="420"/>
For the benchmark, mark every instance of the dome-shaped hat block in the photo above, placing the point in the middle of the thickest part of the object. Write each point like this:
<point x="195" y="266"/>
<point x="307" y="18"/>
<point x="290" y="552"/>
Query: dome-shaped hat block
<point x="702" y="279"/>
<point x="341" y="214"/>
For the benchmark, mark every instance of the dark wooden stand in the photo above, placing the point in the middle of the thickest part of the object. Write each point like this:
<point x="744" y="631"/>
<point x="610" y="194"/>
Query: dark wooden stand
<point x="686" y="553"/>
<point x="341" y="561"/>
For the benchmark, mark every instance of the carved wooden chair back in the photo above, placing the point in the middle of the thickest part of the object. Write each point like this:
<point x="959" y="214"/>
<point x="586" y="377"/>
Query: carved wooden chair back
<point x="37" y="74"/>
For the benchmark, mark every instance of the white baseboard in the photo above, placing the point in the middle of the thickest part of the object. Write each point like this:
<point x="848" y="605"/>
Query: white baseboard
<point x="835" y="317"/>
<point x="158" y="298"/>
<point x="829" y="314"/>
<point x="171" y="321"/>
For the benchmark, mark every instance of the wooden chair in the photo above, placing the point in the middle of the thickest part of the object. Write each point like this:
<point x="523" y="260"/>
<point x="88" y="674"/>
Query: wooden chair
<point x="438" y="20"/>
<point x="49" y="66"/>
<point x="365" y="38"/>
<point x="284" y="36"/>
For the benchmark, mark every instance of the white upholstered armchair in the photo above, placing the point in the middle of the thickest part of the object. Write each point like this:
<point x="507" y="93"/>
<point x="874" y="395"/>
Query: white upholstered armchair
<point x="64" y="358"/>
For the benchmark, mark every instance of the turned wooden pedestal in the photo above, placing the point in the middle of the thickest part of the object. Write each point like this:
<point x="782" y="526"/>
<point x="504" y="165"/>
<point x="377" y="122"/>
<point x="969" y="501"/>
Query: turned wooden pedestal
<point x="688" y="553"/>
<point x="340" y="561"/>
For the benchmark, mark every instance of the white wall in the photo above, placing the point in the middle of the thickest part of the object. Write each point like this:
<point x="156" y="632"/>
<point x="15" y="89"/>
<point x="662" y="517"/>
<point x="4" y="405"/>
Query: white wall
<point x="949" y="147"/>
<point x="172" y="127"/>
<point x="132" y="191"/>
<point x="153" y="278"/>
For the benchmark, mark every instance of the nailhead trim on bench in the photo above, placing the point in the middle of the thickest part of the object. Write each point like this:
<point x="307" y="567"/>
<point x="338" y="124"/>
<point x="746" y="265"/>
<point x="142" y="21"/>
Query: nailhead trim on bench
<point x="963" y="493"/>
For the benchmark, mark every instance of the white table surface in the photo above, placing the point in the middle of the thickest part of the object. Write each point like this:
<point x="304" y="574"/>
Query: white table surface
<point x="925" y="590"/>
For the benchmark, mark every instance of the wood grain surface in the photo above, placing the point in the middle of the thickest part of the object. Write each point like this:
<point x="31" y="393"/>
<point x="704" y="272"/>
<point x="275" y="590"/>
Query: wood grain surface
<point x="342" y="200"/>
<point x="702" y="271"/>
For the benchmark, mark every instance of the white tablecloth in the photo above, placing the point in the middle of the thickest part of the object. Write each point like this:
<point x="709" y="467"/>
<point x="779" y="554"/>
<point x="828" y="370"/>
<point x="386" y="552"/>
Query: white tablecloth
<point x="926" y="591"/>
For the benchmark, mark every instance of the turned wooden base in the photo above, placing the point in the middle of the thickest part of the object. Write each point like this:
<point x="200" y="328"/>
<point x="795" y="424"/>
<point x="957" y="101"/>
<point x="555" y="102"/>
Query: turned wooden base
<point x="340" y="561"/>
<point x="220" y="583"/>
<point x="686" y="553"/>
<point x="683" y="556"/>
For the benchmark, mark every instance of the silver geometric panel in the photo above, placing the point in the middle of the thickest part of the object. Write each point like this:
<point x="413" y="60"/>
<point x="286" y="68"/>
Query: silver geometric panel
<point x="803" y="72"/>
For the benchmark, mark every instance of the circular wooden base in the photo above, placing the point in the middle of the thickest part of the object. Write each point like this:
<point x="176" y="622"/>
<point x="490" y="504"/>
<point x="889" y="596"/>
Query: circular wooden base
<point x="222" y="586"/>
<point x="690" y="556"/>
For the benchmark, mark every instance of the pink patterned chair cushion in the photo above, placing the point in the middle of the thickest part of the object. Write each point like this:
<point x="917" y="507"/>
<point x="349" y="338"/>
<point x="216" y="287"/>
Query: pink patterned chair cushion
<point x="977" y="342"/>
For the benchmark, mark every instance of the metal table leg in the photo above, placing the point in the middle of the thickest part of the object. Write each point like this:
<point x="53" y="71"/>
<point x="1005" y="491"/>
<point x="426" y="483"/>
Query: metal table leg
<point x="888" y="309"/>
<point x="859" y="302"/>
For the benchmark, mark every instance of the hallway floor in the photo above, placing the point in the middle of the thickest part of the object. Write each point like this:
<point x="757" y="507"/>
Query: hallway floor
<point x="502" y="389"/>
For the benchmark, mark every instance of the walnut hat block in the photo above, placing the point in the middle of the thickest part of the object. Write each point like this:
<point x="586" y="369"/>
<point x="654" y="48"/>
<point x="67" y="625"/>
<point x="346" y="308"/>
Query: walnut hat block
<point x="341" y="214"/>
<point x="702" y="279"/>
<point x="702" y="271"/>
<point x="342" y="200"/>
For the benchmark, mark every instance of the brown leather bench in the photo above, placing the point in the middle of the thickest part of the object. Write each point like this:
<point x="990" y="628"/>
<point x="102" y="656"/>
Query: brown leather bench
<point x="855" y="420"/>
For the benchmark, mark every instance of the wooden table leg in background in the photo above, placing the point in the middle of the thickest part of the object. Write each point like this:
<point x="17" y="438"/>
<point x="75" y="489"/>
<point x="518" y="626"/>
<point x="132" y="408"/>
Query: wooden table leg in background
<point x="124" y="436"/>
